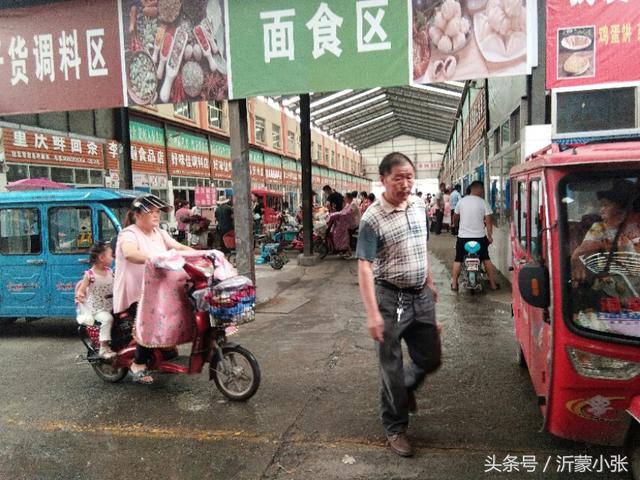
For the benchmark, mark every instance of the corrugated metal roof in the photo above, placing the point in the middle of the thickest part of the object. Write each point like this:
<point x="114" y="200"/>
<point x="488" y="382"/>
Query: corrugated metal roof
<point x="365" y="118"/>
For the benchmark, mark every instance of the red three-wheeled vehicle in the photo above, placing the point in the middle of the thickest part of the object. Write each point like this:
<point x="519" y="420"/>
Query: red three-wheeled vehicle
<point x="575" y="237"/>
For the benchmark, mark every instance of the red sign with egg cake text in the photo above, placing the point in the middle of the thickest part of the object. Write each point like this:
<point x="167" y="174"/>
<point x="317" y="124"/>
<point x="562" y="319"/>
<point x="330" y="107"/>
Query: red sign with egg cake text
<point x="592" y="42"/>
<point x="61" y="57"/>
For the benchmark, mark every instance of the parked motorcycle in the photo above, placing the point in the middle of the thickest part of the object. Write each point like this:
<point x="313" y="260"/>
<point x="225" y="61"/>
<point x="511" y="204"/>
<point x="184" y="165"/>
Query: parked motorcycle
<point x="272" y="253"/>
<point x="472" y="274"/>
<point x="218" y="308"/>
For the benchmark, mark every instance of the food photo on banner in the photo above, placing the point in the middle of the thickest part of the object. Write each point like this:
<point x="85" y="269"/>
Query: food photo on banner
<point x="592" y="42"/>
<point x="174" y="50"/>
<point x="465" y="39"/>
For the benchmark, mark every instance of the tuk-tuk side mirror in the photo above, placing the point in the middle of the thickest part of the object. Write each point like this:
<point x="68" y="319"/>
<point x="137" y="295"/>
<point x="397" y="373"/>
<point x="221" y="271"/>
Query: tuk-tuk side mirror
<point x="533" y="283"/>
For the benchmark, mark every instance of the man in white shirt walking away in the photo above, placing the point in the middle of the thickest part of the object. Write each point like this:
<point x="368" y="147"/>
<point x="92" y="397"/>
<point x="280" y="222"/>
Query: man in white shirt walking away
<point x="474" y="222"/>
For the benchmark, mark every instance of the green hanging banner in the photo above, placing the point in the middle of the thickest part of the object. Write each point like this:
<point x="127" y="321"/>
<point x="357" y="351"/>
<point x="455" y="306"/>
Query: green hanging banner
<point x="278" y="47"/>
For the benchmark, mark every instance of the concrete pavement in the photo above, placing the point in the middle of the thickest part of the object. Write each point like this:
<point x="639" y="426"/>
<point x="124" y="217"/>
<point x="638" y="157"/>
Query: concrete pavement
<point x="315" y="415"/>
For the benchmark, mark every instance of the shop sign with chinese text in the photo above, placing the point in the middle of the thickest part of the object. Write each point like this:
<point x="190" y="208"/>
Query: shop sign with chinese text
<point x="279" y="47"/>
<point x="289" y="173"/>
<point x="205" y="196"/>
<point x="272" y="168"/>
<point x="59" y="57"/>
<point x="220" y="160"/>
<point x="25" y="146"/>
<point x="187" y="154"/>
<point x="592" y="42"/>
<point x="256" y="166"/>
<point x="148" y="152"/>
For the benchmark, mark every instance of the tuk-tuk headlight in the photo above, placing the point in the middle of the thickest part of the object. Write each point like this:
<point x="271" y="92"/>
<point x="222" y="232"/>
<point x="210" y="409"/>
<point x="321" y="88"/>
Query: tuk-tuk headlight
<point x="592" y="365"/>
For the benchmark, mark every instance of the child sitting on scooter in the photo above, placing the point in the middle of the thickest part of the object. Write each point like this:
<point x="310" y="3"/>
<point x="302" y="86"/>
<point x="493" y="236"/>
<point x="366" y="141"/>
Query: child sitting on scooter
<point x="94" y="296"/>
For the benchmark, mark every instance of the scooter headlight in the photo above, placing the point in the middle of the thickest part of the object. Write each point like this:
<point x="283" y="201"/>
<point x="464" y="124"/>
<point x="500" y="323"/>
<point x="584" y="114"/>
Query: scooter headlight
<point x="592" y="365"/>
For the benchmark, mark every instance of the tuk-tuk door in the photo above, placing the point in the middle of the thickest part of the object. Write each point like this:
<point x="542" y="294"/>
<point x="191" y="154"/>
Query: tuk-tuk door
<point x="71" y="233"/>
<point x="534" y="329"/>
<point x="519" y="260"/>
<point x="24" y="286"/>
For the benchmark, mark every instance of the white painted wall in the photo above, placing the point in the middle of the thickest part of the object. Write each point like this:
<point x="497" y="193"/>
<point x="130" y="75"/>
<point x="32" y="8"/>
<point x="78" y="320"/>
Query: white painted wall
<point x="426" y="155"/>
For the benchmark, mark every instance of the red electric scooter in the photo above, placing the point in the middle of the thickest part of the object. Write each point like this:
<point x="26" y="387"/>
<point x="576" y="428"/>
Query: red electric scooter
<point x="233" y="368"/>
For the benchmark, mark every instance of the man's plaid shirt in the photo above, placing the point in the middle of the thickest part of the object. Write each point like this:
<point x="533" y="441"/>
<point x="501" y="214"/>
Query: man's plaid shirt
<point x="396" y="242"/>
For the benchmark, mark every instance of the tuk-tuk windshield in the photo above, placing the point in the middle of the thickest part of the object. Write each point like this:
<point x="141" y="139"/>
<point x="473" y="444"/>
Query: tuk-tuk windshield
<point x="602" y="218"/>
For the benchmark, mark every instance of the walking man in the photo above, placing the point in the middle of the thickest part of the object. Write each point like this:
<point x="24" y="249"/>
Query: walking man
<point x="439" y="208"/>
<point x="472" y="217"/>
<point x="454" y="198"/>
<point x="397" y="290"/>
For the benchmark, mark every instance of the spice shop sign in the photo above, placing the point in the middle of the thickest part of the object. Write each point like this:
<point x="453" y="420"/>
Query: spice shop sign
<point x="60" y="57"/>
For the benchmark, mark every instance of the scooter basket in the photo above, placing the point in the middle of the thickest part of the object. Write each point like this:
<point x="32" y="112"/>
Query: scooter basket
<point x="232" y="300"/>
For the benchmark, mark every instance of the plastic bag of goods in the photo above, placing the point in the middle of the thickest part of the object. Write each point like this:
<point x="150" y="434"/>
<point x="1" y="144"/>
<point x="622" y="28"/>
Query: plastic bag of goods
<point x="232" y="300"/>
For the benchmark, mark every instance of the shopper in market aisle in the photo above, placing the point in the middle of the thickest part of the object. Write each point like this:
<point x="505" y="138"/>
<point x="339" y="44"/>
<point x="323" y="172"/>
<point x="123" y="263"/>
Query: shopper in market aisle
<point x="364" y="202"/>
<point x="439" y="210"/>
<point x="473" y="217"/>
<point x="183" y="212"/>
<point x="224" y="220"/>
<point x="397" y="290"/>
<point x="326" y="193"/>
<point x="454" y="198"/>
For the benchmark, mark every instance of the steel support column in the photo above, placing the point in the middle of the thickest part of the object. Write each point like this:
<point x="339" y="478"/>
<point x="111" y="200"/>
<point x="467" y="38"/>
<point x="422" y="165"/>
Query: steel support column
<point x="305" y="157"/>
<point x="121" y="134"/>
<point x="242" y="214"/>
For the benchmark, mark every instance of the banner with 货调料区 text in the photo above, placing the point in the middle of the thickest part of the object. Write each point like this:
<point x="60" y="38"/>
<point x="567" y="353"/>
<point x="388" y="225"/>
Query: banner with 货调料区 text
<point x="64" y="56"/>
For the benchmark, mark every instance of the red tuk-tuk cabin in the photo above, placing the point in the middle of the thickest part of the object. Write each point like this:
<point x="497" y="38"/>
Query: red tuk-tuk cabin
<point x="271" y="205"/>
<point x="575" y="237"/>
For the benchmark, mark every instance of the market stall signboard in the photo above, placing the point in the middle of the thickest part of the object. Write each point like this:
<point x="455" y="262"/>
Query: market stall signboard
<point x="59" y="57"/>
<point x="256" y="166"/>
<point x="279" y="47"/>
<point x="592" y="42"/>
<point x="272" y="168"/>
<point x="220" y="160"/>
<point x="187" y="154"/>
<point x="205" y="196"/>
<point x="26" y="146"/>
<point x="289" y="172"/>
<point x="148" y="153"/>
<point x="113" y="149"/>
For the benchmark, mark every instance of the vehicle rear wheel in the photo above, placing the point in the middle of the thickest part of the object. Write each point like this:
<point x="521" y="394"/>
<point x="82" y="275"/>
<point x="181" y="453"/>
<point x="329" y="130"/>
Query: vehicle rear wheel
<point x="276" y="262"/>
<point x="237" y="375"/>
<point x="108" y="373"/>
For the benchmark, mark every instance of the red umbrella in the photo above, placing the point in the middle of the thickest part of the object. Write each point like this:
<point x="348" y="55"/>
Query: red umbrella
<point x="36" y="184"/>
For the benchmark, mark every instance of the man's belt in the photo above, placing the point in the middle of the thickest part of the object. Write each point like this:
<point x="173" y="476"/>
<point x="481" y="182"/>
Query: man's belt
<point x="391" y="286"/>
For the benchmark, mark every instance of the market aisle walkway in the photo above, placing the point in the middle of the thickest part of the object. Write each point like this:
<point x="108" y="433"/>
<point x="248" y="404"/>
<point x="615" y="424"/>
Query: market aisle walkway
<point x="316" y="408"/>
